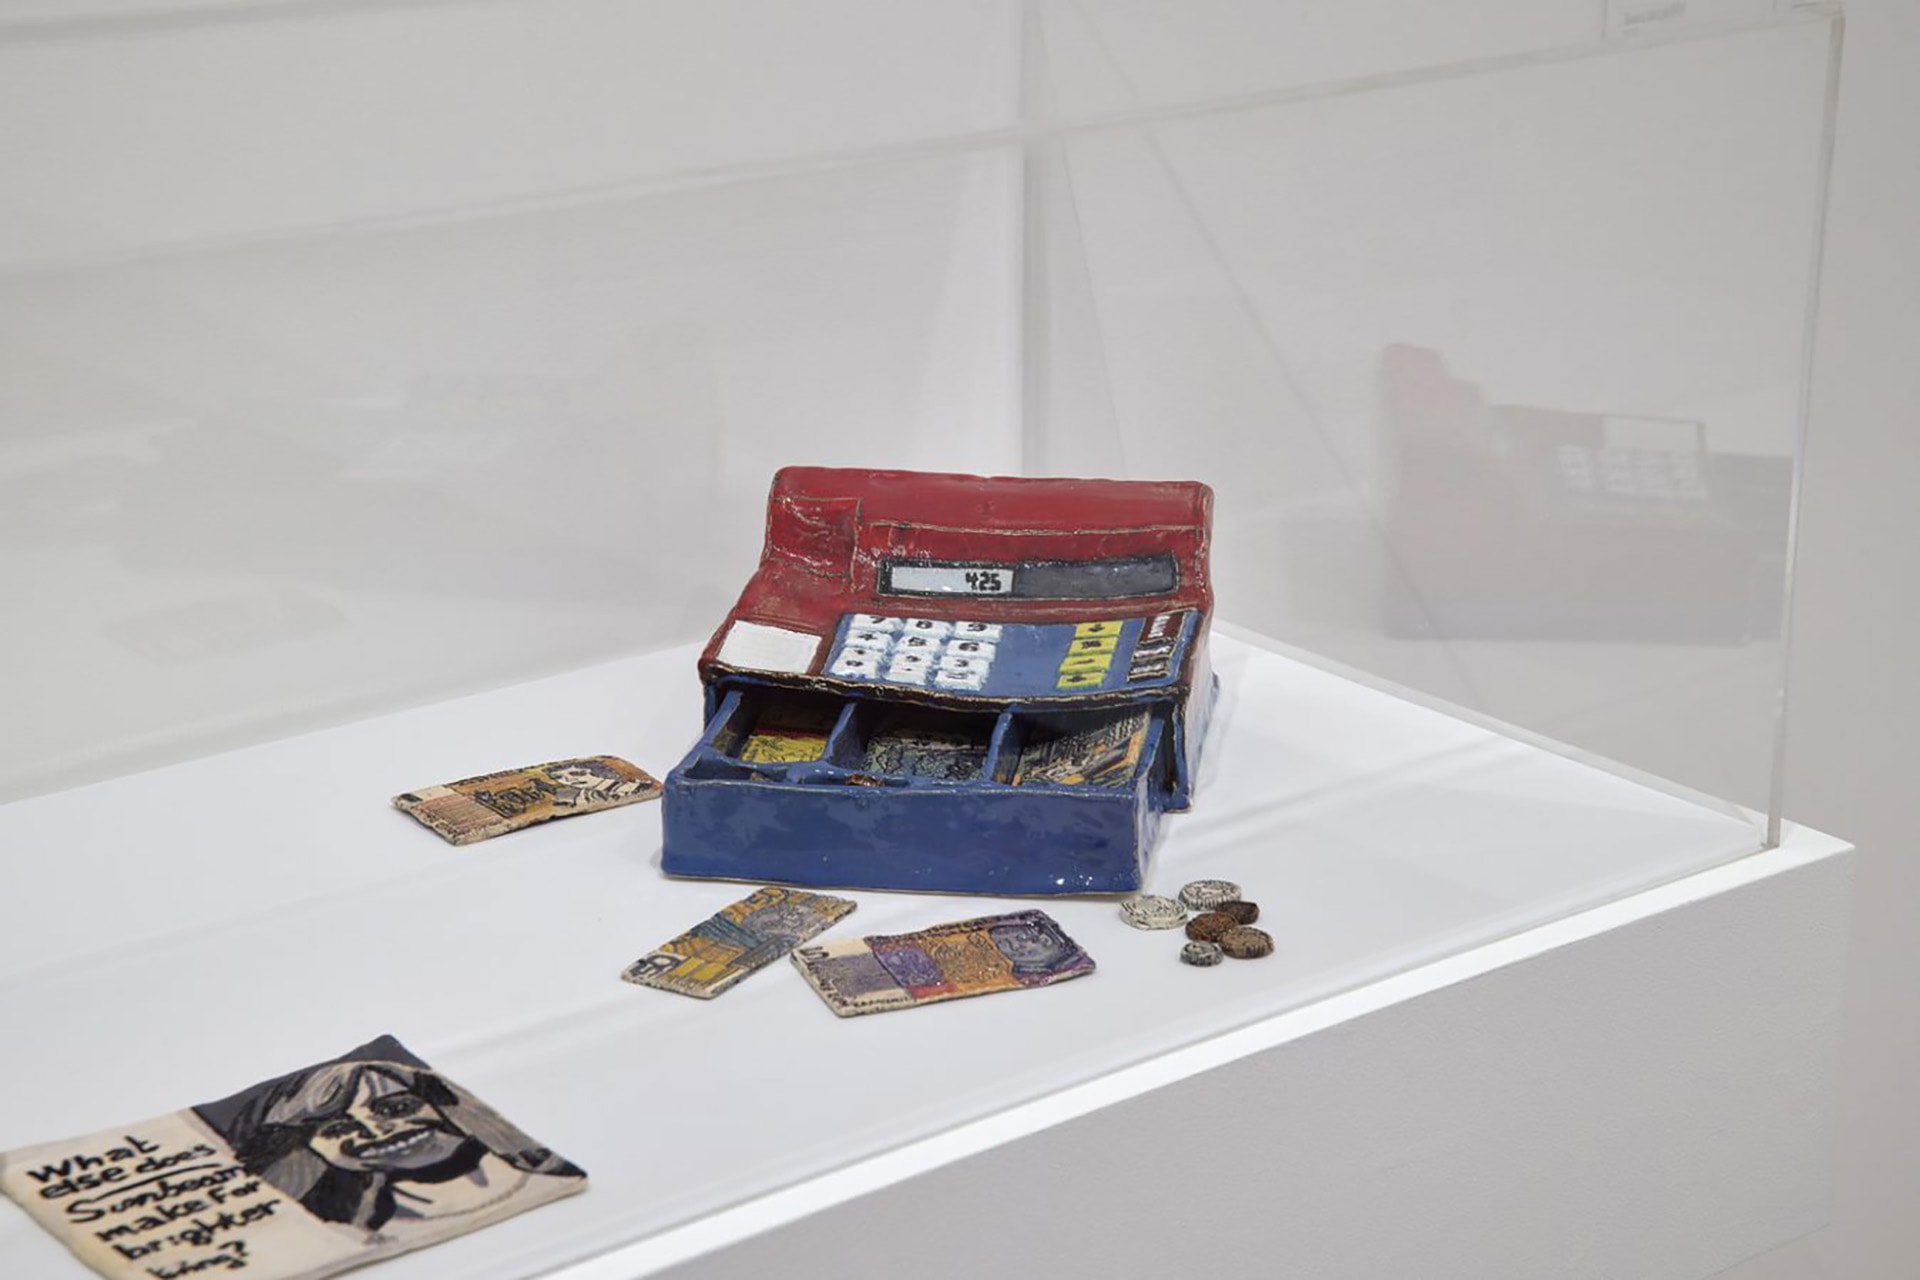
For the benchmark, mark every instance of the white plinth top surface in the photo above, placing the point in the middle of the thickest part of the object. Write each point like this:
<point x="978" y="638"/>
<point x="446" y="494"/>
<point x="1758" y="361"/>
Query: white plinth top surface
<point x="172" y="936"/>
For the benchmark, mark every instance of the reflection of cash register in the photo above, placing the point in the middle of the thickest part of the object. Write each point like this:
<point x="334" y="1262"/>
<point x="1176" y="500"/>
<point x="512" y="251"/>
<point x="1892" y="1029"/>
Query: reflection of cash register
<point x="951" y="683"/>
<point x="1515" y="522"/>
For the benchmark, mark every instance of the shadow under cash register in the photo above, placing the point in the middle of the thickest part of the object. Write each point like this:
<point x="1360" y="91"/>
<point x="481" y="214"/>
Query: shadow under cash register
<point x="1513" y="522"/>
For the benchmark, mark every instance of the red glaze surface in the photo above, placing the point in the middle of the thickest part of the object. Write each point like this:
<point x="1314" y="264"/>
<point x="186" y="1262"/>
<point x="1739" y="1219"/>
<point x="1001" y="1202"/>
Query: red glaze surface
<point x="829" y="530"/>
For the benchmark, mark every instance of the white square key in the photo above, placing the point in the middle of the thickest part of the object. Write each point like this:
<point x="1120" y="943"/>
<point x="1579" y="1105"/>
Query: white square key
<point x="928" y="627"/>
<point x="925" y="646"/>
<point x="957" y="648"/>
<point x="868" y="638"/>
<point x="873" y="622"/>
<point x="966" y="681"/>
<point x="908" y="670"/>
<point x="988" y="631"/>
<point x="958" y="664"/>
<point x="856" y="664"/>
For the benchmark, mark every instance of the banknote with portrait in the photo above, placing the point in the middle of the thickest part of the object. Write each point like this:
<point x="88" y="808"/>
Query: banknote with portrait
<point x="978" y="957"/>
<point x="299" y="1177"/>
<point x="752" y="933"/>
<point x="496" y="803"/>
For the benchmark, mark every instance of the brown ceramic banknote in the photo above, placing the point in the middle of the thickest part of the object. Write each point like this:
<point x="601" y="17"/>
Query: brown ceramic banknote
<point x="947" y="962"/>
<point x="1103" y="755"/>
<point x="736" y="940"/>
<point x="496" y="803"/>
<point x="303" y="1176"/>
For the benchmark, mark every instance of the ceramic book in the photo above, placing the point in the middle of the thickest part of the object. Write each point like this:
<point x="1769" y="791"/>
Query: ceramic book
<point x="299" y="1177"/>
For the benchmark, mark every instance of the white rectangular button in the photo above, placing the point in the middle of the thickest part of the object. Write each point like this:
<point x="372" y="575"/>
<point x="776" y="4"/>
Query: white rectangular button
<point x="856" y="664"/>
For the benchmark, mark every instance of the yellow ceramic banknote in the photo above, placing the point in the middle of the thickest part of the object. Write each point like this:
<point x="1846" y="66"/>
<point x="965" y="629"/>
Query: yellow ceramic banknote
<point x="736" y="940"/>
<point x="788" y="735"/>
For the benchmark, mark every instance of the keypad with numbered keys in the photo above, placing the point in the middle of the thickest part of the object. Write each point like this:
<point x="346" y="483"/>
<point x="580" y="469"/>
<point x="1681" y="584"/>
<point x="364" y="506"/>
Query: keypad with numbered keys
<point x="923" y="652"/>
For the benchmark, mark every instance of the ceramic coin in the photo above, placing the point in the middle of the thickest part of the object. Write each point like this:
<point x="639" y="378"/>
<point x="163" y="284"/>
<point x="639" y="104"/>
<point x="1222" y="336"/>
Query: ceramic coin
<point x="1151" y="911"/>
<point x="1242" y="912"/>
<point x="1201" y="953"/>
<point x="1205" y="895"/>
<point x="1209" y="925"/>
<point x="1244" y="943"/>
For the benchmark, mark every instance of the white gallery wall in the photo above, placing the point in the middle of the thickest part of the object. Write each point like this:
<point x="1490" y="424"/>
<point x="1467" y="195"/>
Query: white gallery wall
<point x="1854" y="697"/>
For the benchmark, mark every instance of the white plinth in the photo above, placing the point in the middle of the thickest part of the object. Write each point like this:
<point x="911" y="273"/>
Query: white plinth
<point x="1634" y="1082"/>
<point x="1643" y="1092"/>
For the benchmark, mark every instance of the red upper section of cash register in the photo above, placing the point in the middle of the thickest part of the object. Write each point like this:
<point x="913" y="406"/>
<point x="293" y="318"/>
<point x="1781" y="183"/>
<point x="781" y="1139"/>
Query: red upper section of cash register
<point x="844" y="541"/>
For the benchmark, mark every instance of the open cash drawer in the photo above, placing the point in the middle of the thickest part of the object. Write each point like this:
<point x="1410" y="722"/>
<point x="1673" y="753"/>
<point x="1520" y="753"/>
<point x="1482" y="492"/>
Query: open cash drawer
<point x="999" y="687"/>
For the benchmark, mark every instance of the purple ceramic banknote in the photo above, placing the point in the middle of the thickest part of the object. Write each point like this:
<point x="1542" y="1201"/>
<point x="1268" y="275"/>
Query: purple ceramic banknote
<point x="947" y="962"/>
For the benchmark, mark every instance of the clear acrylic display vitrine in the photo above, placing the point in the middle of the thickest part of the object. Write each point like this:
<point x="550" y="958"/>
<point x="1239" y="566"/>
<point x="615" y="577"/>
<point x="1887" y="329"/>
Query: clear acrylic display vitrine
<point x="365" y="356"/>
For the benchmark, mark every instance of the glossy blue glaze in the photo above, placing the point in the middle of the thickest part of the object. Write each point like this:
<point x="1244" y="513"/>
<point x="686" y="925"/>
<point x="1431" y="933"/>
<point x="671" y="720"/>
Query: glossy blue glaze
<point x="809" y="824"/>
<point x="957" y="838"/>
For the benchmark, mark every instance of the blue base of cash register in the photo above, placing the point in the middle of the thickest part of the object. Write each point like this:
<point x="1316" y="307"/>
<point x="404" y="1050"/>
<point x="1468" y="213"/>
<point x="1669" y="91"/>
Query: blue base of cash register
<point x="834" y="823"/>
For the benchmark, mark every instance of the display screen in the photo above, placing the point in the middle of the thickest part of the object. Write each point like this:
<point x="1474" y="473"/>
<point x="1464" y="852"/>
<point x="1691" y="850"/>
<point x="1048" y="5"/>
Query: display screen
<point x="950" y="580"/>
<point x="1033" y="579"/>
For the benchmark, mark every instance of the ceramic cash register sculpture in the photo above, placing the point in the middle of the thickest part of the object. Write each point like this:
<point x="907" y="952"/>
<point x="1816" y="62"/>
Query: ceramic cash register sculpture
<point x="954" y="684"/>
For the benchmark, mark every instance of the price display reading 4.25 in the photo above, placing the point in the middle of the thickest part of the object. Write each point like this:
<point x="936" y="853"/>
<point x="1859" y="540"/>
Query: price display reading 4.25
<point x="987" y="582"/>
<point x="951" y="579"/>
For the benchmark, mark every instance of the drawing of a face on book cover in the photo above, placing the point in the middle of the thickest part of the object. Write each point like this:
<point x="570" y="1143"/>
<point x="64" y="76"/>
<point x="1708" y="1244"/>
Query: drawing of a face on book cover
<point x="300" y="1177"/>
